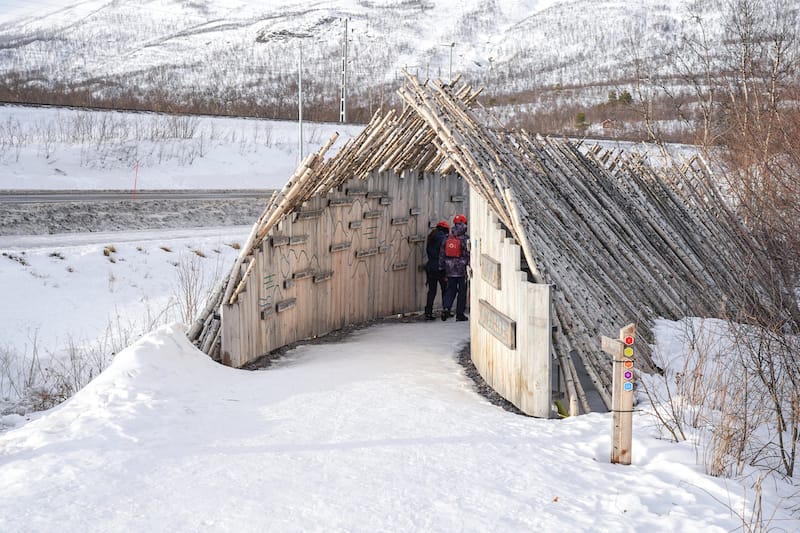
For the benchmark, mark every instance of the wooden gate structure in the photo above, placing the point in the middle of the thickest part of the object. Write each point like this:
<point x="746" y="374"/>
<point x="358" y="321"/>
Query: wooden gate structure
<point x="599" y="238"/>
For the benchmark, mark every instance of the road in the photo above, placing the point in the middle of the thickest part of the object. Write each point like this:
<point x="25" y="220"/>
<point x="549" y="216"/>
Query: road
<point x="52" y="197"/>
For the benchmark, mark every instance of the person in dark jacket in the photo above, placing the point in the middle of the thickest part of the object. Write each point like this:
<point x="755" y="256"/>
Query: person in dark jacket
<point x="436" y="275"/>
<point x="456" y="270"/>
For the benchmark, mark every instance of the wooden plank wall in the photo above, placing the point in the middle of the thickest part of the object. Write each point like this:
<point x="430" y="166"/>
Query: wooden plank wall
<point x="347" y="257"/>
<point x="510" y="322"/>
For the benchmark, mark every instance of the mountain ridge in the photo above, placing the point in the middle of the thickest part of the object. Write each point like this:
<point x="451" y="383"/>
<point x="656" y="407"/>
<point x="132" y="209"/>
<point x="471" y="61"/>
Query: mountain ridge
<point x="229" y="57"/>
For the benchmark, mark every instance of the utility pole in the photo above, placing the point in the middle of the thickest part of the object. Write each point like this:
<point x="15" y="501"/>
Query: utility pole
<point x="450" y="72"/>
<point x="452" y="45"/>
<point x="343" y="100"/>
<point x="300" y="102"/>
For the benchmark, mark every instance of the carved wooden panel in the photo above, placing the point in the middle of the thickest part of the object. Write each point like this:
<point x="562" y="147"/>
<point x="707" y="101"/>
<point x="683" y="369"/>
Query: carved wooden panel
<point x="283" y="305"/>
<point x="368" y="252"/>
<point x="323" y="276"/>
<point x="303" y="274"/>
<point x="307" y="215"/>
<point x="338" y="202"/>
<point x="490" y="271"/>
<point x="502" y="327"/>
<point x="279" y="240"/>
<point x="340" y="246"/>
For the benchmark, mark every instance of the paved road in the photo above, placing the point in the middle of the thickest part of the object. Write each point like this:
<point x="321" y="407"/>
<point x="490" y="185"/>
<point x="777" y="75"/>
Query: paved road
<point x="51" y="197"/>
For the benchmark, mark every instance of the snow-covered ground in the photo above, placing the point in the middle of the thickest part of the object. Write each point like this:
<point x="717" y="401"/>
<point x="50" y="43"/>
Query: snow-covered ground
<point x="69" y="288"/>
<point x="382" y="431"/>
<point x="56" y="148"/>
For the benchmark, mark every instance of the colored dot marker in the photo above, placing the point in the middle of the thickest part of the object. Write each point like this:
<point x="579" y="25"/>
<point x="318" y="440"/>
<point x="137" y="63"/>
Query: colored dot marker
<point x="628" y="352"/>
<point x="628" y="364"/>
<point x="628" y="374"/>
<point x="629" y="340"/>
<point x="628" y="386"/>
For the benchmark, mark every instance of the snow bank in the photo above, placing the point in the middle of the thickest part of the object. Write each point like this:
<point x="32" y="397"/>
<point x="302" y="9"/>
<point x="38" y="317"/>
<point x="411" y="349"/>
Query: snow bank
<point x="380" y="432"/>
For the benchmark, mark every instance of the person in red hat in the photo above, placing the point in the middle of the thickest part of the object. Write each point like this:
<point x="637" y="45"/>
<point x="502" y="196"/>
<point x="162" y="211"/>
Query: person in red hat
<point x="435" y="273"/>
<point x="454" y="258"/>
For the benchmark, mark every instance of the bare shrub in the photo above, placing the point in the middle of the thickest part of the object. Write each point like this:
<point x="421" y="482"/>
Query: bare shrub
<point x="191" y="286"/>
<point x="735" y="394"/>
<point x="194" y="284"/>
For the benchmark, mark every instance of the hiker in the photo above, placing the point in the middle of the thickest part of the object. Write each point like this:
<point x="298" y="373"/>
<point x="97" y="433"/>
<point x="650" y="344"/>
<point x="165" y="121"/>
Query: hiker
<point x="435" y="272"/>
<point x="454" y="258"/>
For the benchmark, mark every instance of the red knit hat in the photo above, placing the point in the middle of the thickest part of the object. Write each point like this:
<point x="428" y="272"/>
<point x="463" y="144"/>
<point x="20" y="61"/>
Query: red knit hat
<point x="443" y="224"/>
<point x="460" y="218"/>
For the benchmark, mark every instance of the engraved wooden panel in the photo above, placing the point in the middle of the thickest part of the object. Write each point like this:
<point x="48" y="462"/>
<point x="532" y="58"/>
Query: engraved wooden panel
<point x="279" y="240"/>
<point x="305" y="215"/>
<point x="283" y="305"/>
<point x="340" y="202"/>
<point x="323" y="276"/>
<point x="303" y="274"/>
<point x="340" y="246"/>
<point x="503" y="328"/>
<point x="490" y="271"/>
<point x="366" y="252"/>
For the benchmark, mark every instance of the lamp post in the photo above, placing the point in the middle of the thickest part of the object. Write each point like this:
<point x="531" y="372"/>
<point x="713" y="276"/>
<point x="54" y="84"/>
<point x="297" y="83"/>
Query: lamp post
<point x="450" y="71"/>
<point x="300" y="103"/>
<point x="300" y="36"/>
<point x="343" y="99"/>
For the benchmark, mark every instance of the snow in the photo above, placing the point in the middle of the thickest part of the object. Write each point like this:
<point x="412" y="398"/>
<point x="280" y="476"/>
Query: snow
<point x="380" y="432"/>
<point x="74" y="297"/>
<point x="47" y="148"/>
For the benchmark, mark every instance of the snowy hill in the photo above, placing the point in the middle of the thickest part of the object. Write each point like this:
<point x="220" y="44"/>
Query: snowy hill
<point x="237" y="57"/>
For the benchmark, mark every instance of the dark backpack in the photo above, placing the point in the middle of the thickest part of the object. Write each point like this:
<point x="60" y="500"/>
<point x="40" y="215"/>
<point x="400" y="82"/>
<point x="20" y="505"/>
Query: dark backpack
<point x="452" y="246"/>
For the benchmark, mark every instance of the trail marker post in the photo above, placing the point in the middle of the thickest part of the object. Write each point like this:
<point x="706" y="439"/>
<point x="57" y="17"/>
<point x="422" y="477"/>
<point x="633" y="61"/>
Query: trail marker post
<point x="622" y="380"/>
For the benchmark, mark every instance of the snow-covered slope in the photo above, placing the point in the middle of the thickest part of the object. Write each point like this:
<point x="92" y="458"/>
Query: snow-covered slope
<point x="230" y="50"/>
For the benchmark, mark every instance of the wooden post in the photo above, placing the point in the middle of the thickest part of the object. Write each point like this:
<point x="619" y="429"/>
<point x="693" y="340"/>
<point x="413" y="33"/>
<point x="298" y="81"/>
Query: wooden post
<point x="621" y="352"/>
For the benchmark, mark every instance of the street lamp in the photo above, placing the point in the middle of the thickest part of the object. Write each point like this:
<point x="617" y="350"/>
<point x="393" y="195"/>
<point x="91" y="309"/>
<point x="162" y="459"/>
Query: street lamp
<point x="300" y="36"/>
<point x="450" y="72"/>
<point x="285" y="36"/>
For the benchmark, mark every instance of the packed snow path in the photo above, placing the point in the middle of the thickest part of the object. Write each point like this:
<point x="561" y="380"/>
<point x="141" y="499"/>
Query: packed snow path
<point x="381" y="432"/>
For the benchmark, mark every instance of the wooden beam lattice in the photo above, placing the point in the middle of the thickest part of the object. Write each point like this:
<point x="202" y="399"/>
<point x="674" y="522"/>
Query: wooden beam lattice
<point x="618" y="238"/>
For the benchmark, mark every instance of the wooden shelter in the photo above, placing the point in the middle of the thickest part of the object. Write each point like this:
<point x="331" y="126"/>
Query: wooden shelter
<point x="567" y="244"/>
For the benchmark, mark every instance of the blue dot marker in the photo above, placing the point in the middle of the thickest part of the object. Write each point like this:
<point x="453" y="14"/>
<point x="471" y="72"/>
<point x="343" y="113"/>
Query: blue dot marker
<point x="628" y="386"/>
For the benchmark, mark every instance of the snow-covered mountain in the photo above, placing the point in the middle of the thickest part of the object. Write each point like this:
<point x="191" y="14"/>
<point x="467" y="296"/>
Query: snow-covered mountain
<point x="242" y="57"/>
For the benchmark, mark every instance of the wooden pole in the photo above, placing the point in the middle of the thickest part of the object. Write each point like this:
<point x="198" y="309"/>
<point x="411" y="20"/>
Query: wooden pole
<point x="621" y="352"/>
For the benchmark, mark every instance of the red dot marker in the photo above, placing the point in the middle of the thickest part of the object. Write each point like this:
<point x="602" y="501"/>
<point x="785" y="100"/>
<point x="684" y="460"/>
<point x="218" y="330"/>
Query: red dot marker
<point x="629" y="340"/>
